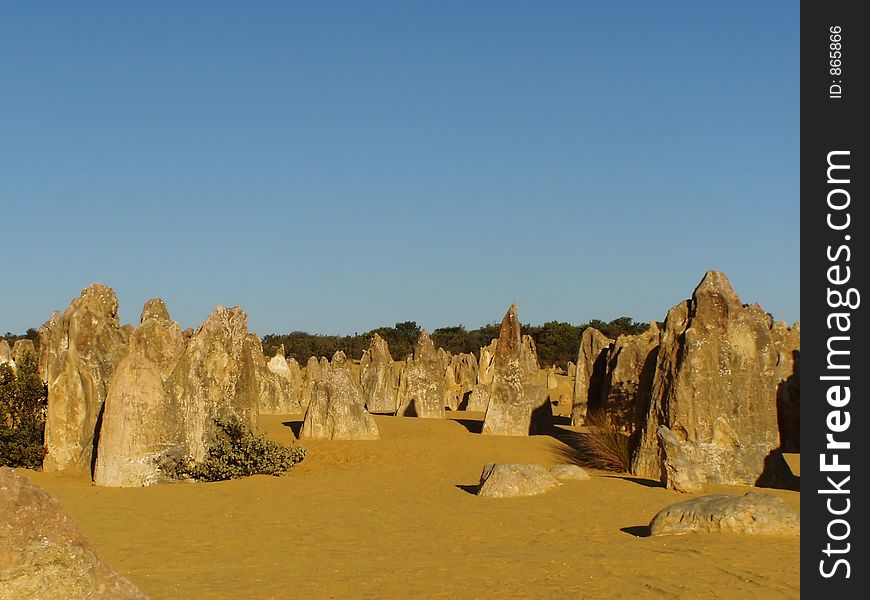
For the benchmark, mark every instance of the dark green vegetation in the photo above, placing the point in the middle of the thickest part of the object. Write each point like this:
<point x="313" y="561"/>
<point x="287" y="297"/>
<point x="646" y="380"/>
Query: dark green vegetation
<point x="557" y="343"/>
<point x="236" y="452"/>
<point x="31" y="334"/>
<point x="22" y="415"/>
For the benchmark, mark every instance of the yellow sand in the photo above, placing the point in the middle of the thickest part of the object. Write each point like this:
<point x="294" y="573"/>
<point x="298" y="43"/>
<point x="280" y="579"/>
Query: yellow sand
<point x="391" y="519"/>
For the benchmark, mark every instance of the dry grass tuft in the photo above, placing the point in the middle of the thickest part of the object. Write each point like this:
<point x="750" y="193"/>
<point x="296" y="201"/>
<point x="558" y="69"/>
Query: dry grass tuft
<point x="602" y="446"/>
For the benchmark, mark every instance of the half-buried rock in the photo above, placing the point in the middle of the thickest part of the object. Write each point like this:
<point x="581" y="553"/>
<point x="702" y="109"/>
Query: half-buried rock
<point x="509" y="480"/>
<point x="569" y="473"/>
<point x="337" y="410"/>
<point x="44" y="555"/>
<point x="753" y="513"/>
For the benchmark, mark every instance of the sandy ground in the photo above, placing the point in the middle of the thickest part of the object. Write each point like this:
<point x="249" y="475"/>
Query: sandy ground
<point x="396" y="518"/>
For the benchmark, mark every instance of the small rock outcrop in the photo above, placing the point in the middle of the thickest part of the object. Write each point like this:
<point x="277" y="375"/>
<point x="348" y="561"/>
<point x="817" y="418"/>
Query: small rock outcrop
<point x="43" y="554"/>
<point x="753" y="513"/>
<point x="22" y="349"/>
<point x="589" y="372"/>
<point x="517" y="392"/>
<point x="337" y="409"/>
<point x="378" y="384"/>
<point x="421" y="387"/>
<point x="79" y="351"/>
<point x="569" y="473"/>
<point x="714" y="389"/>
<point x="510" y="480"/>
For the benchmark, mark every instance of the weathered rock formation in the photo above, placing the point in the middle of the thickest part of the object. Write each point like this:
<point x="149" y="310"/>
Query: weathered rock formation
<point x="378" y="383"/>
<point x="788" y="393"/>
<point x="510" y="480"/>
<point x="421" y="391"/>
<point x="517" y="391"/>
<point x="5" y="353"/>
<point x="628" y="373"/>
<point x="714" y="388"/>
<point x="22" y="349"/>
<point x="486" y="367"/>
<point x="44" y="555"/>
<point x="337" y="410"/>
<point x="589" y="372"/>
<point x="753" y="513"/>
<point x="79" y="351"/>
<point x="282" y="385"/>
<point x="167" y="392"/>
<point x="142" y="419"/>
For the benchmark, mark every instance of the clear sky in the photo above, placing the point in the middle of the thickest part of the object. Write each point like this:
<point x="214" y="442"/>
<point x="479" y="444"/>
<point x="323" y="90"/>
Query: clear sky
<point x="337" y="166"/>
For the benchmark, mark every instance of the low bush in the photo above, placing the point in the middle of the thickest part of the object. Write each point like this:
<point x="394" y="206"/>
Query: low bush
<point x="22" y="415"/>
<point x="235" y="452"/>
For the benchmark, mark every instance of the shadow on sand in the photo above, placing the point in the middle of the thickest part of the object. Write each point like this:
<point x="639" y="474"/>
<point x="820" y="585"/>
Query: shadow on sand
<point x="637" y="530"/>
<point x="295" y="427"/>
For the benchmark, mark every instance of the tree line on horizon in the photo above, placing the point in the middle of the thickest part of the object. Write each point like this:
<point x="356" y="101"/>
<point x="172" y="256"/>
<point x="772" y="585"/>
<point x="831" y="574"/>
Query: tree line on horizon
<point x="557" y="343"/>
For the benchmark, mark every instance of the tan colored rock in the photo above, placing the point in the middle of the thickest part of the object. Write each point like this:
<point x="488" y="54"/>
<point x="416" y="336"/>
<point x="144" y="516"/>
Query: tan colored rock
<point x="517" y="392"/>
<point x="486" y="367"/>
<point x="288" y="370"/>
<point x="511" y="480"/>
<point x="625" y="390"/>
<point x="753" y="513"/>
<point x="421" y="392"/>
<point x="788" y="392"/>
<point x="589" y="374"/>
<point x="22" y="349"/>
<point x="142" y="420"/>
<point x="44" y="555"/>
<point x="5" y="353"/>
<point x="79" y="351"/>
<point x="569" y="473"/>
<point x="337" y="410"/>
<point x="378" y="383"/>
<point x="217" y="377"/>
<point x="714" y="388"/>
<point x="571" y="371"/>
<point x="281" y="383"/>
<point x="310" y="375"/>
<point x="478" y="400"/>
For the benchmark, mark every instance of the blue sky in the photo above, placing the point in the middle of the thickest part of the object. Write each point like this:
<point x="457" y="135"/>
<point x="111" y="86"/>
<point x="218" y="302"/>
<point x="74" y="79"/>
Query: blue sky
<point x="336" y="166"/>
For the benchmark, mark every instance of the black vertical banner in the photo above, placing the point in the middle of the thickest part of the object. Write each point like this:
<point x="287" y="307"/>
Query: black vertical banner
<point x="835" y="370"/>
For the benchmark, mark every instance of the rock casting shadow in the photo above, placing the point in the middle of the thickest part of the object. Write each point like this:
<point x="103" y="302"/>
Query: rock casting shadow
<point x="471" y="489"/>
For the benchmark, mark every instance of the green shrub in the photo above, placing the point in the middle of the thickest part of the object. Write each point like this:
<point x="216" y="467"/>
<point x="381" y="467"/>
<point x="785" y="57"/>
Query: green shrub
<point x="22" y="415"/>
<point x="235" y="452"/>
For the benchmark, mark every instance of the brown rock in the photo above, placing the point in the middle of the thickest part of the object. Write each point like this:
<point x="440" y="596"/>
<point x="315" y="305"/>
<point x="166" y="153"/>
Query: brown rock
<point x="421" y="391"/>
<point x="714" y="388"/>
<point x="590" y="369"/>
<point x="511" y="480"/>
<point x="628" y="374"/>
<point x="44" y="555"/>
<point x="378" y="383"/>
<point x="142" y="419"/>
<point x="217" y="377"/>
<point x="752" y="513"/>
<point x="5" y="353"/>
<point x="788" y="391"/>
<point x="79" y="351"/>
<point x="22" y="349"/>
<point x="337" y="410"/>
<point x="517" y="392"/>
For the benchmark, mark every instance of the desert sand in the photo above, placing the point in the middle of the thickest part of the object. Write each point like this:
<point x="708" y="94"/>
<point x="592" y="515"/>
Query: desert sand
<point x="397" y="518"/>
